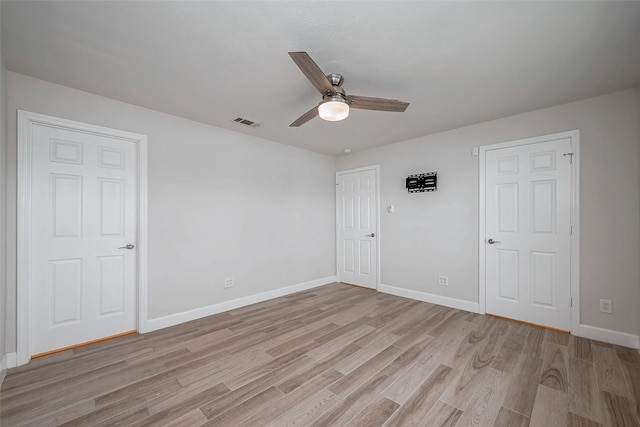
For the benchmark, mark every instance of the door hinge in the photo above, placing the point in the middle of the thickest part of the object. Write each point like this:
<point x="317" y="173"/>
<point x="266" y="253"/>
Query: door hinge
<point x="570" y="302"/>
<point x="570" y="157"/>
<point x="571" y="230"/>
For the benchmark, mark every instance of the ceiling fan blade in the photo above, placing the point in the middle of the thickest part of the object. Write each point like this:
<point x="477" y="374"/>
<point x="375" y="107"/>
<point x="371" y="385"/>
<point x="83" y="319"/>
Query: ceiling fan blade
<point x="313" y="72"/>
<point x="305" y="117"/>
<point x="380" y="104"/>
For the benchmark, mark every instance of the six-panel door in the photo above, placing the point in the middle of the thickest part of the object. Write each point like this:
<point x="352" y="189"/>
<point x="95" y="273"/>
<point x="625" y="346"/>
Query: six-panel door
<point x="357" y="228"/>
<point x="83" y="212"/>
<point x="528" y="221"/>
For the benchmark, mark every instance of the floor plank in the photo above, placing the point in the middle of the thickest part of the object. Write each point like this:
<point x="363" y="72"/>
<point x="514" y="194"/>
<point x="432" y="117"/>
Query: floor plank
<point x="550" y="409"/>
<point x="555" y="367"/>
<point x="463" y="387"/>
<point x="294" y="381"/>
<point x="347" y="408"/>
<point x="405" y="385"/>
<point x="521" y="393"/>
<point x="306" y="411"/>
<point x="507" y="358"/>
<point x="630" y="360"/>
<point x="185" y="400"/>
<point x="284" y="404"/>
<point x="233" y="416"/>
<point x="423" y="399"/>
<point x="193" y="418"/>
<point x="574" y="420"/>
<point x="487" y="401"/>
<point x="609" y="371"/>
<point x="375" y="414"/>
<point x="533" y="343"/>
<point x="580" y="348"/>
<point x="618" y="411"/>
<point x="584" y="397"/>
<point x="351" y="381"/>
<point x="442" y="415"/>
<point x="508" y="418"/>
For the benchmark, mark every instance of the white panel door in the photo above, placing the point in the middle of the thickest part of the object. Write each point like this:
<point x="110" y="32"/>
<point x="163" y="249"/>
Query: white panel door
<point x="83" y="213"/>
<point x="357" y="227"/>
<point x="528" y="219"/>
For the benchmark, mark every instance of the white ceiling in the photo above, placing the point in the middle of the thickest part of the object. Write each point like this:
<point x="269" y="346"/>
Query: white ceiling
<point x="457" y="63"/>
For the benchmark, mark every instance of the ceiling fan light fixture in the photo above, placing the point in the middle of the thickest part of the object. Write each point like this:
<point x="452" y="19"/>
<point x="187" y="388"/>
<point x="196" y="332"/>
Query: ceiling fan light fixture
<point x="333" y="109"/>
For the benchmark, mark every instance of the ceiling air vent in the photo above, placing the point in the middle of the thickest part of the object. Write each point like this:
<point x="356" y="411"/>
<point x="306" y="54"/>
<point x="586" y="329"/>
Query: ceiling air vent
<point x="246" y="122"/>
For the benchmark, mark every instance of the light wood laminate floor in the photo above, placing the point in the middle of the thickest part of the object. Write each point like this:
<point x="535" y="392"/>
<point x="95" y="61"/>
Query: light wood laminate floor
<point x="332" y="356"/>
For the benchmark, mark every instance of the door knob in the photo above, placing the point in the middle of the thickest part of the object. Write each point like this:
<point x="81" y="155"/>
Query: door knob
<point x="491" y="241"/>
<point x="129" y="246"/>
<point x="371" y="235"/>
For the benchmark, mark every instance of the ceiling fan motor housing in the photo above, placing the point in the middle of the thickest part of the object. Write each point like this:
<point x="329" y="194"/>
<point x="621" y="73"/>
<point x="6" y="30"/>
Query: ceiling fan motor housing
<point x="339" y="95"/>
<point x="335" y="79"/>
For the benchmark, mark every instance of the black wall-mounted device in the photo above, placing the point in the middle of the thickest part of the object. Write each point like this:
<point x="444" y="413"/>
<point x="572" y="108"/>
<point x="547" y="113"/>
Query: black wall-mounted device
<point x="422" y="182"/>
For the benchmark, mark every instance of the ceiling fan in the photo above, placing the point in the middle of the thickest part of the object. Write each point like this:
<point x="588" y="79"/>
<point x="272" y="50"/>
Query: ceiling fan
<point x="335" y="102"/>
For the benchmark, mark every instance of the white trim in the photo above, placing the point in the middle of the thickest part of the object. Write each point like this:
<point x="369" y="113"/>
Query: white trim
<point x="23" y="254"/>
<point x="575" y="237"/>
<point x="432" y="298"/>
<point x="574" y="137"/>
<point x="376" y="169"/>
<point x="378" y="233"/>
<point x="26" y="121"/>
<point x="143" y="245"/>
<point x="482" y="257"/>
<point x="608" y="335"/>
<point x="198" y="313"/>
<point x="3" y="368"/>
<point x="337" y="220"/>
<point x="12" y="360"/>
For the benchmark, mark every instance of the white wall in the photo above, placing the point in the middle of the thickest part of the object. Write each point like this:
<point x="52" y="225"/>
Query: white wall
<point x="221" y="203"/>
<point x="3" y="214"/>
<point x="435" y="234"/>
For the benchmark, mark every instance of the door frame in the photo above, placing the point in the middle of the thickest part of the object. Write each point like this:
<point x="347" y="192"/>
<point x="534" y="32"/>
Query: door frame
<point x="376" y="169"/>
<point x="574" y="255"/>
<point x="26" y="122"/>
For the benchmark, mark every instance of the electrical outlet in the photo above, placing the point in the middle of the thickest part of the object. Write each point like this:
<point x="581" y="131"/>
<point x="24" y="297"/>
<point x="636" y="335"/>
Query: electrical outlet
<point x="606" y="306"/>
<point x="443" y="281"/>
<point x="228" y="282"/>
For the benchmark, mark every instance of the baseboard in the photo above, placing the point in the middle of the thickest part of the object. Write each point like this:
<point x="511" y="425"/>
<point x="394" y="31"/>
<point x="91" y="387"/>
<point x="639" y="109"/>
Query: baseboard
<point x="3" y="368"/>
<point x="608" y="335"/>
<point x="197" y="313"/>
<point x="473" y="307"/>
<point x="12" y="360"/>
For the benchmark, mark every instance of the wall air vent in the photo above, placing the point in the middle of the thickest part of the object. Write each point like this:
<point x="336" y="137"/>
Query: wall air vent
<point x="246" y="122"/>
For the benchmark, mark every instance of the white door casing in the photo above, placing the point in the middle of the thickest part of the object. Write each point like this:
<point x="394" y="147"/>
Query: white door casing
<point x="526" y="229"/>
<point x="82" y="196"/>
<point x="357" y="226"/>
